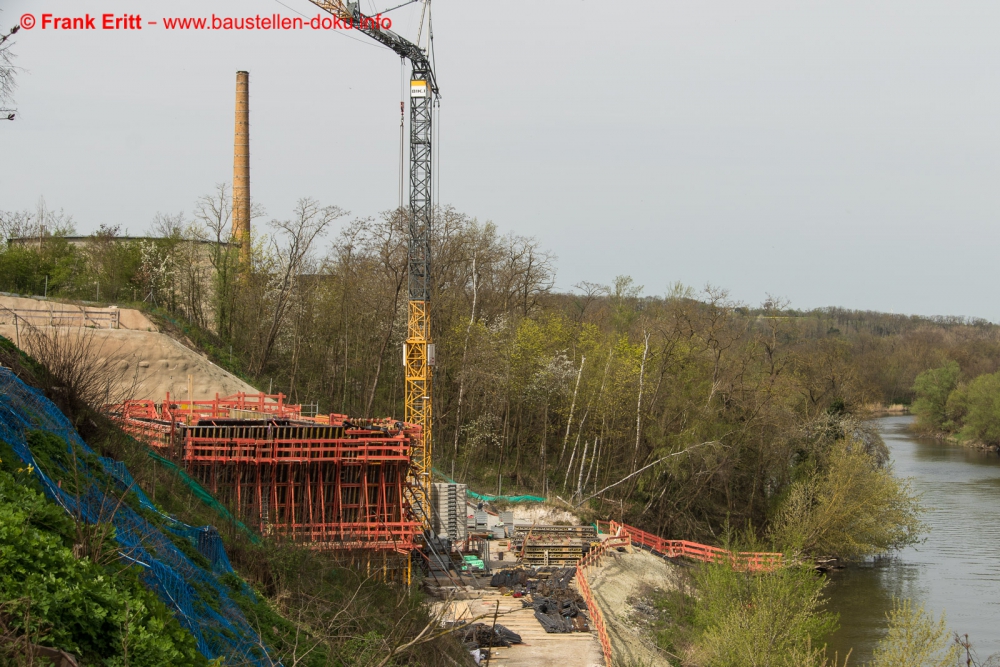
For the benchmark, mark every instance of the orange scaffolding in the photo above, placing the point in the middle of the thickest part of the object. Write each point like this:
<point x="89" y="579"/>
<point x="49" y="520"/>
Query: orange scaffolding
<point x="327" y="481"/>
<point x="334" y="485"/>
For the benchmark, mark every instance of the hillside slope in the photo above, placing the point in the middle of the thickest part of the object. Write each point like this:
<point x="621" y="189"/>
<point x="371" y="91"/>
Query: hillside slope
<point x="116" y="538"/>
<point x="140" y="359"/>
<point x="184" y="566"/>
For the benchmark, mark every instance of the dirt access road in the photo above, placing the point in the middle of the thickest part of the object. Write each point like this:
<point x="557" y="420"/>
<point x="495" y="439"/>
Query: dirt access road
<point x="621" y="585"/>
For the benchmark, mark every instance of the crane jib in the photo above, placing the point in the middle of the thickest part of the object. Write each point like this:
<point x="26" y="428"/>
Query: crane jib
<point x="370" y="26"/>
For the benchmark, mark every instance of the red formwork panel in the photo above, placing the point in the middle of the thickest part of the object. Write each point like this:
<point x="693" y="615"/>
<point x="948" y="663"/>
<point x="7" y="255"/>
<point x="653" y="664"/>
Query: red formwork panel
<point x="330" y="485"/>
<point x="325" y="481"/>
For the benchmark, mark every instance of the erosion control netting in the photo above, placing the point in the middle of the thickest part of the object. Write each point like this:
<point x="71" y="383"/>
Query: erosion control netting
<point x="204" y="496"/>
<point x="196" y="595"/>
<point x="485" y="497"/>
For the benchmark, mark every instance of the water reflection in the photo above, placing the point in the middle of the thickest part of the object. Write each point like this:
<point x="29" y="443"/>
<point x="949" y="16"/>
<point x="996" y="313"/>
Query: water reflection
<point x="955" y="570"/>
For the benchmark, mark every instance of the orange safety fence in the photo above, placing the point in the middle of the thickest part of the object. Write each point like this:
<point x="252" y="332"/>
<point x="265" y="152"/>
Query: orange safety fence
<point x="751" y="561"/>
<point x="593" y="557"/>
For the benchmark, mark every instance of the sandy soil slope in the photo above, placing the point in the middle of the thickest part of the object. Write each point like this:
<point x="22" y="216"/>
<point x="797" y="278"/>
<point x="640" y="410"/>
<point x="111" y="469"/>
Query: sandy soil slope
<point x="621" y="583"/>
<point x="147" y="364"/>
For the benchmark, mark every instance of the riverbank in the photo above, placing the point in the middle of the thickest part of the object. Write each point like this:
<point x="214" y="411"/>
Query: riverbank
<point x="952" y="439"/>
<point x="953" y="571"/>
<point x="878" y="410"/>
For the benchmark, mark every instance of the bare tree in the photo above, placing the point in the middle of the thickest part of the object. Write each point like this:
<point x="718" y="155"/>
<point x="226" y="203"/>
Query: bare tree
<point x="41" y="223"/>
<point x="7" y="73"/>
<point x="81" y="359"/>
<point x="290" y="252"/>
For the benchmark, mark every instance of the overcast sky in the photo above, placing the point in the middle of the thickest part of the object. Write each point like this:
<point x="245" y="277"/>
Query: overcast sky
<point x="831" y="152"/>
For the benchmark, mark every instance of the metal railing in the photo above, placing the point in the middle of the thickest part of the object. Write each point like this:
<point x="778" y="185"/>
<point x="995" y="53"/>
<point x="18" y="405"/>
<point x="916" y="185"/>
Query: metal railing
<point x="744" y="560"/>
<point x="100" y="318"/>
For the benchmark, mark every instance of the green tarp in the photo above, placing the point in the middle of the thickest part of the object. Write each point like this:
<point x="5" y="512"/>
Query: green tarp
<point x="485" y="497"/>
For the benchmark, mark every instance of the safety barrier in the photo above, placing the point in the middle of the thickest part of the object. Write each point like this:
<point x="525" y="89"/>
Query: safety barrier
<point x="98" y="318"/>
<point x="590" y="559"/>
<point x="744" y="560"/>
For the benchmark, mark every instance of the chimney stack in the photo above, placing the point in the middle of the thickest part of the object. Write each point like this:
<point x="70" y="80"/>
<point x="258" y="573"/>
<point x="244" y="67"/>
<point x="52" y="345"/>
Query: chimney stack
<point x="241" y="167"/>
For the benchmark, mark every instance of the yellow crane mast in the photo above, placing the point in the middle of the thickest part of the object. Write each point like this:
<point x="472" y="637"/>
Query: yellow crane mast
<point x="418" y="352"/>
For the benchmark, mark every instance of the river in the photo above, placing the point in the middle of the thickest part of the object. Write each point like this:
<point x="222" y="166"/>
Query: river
<point x="956" y="570"/>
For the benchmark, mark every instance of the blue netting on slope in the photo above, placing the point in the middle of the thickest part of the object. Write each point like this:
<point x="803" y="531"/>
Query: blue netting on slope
<point x="198" y="598"/>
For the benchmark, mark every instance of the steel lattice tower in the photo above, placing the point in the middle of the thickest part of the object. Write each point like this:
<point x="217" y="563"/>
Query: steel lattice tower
<point x="418" y="353"/>
<point x="419" y="349"/>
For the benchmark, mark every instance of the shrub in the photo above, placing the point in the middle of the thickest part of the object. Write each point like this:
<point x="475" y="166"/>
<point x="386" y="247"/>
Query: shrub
<point x="980" y="402"/>
<point x="915" y="639"/>
<point x="102" y="614"/>
<point x="849" y="507"/>
<point x="771" y="619"/>
<point x="932" y="388"/>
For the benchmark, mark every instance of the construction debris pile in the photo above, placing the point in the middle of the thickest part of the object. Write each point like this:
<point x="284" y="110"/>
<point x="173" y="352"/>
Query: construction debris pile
<point x="558" y="607"/>
<point x="481" y="636"/>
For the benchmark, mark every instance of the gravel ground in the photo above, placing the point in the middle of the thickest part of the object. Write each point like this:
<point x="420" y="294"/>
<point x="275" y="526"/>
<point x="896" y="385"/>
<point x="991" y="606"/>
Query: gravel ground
<point x="621" y="586"/>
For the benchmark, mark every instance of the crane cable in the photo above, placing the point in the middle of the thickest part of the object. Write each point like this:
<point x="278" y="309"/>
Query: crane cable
<point x="436" y="122"/>
<point x="402" y="107"/>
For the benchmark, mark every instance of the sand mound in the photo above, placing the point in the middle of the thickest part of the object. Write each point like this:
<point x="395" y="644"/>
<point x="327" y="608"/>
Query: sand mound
<point x="147" y="364"/>
<point x="618" y="585"/>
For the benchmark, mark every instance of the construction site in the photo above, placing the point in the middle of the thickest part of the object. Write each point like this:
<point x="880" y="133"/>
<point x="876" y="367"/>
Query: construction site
<point x="519" y="586"/>
<point x="523" y="586"/>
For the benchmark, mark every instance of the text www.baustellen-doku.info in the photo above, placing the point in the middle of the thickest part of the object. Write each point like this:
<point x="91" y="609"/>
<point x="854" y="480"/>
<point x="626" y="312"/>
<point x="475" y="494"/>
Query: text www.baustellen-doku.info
<point x="55" y="22"/>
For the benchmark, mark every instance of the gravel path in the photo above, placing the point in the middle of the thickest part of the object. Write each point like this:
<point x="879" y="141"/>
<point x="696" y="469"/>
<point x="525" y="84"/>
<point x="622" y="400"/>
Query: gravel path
<point x="623" y="579"/>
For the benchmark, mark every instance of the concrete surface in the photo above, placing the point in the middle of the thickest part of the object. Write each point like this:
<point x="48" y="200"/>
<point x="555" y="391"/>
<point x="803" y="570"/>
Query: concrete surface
<point x="33" y="310"/>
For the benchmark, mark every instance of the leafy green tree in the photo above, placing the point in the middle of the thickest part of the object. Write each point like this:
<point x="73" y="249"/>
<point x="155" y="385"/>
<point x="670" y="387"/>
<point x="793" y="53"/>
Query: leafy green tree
<point x="773" y="619"/>
<point x="932" y="388"/>
<point x="980" y="403"/>
<point x="848" y="506"/>
<point x="915" y="639"/>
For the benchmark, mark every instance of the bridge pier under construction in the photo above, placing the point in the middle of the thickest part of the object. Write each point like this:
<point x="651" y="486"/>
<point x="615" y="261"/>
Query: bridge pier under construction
<point x="325" y="481"/>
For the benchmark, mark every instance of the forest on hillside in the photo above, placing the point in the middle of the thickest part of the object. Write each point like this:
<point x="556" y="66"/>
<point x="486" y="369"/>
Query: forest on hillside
<point x="684" y="412"/>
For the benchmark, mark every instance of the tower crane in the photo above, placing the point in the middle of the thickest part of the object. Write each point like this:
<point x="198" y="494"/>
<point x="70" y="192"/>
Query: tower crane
<point x="418" y="351"/>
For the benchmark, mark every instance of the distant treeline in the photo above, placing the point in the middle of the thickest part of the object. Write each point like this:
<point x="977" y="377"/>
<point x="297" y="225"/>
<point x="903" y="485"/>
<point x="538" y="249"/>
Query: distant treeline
<point x="731" y="412"/>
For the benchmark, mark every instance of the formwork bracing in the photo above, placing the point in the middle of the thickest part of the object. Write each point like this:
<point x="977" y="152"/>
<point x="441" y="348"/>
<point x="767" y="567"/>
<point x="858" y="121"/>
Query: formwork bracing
<point x="326" y="481"/>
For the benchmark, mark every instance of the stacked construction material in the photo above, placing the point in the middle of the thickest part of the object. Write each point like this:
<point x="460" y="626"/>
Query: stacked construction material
<point x="478" y="522"/>
<point x="557" y="607"/>
<point x="559" y="615"/>
<point x="480" y="635"/>
<point x="473" y="562"/>
<point x="438" y="554"/>
<point x="554" y="545"/>
<point x="449" y="511"/>
<point x="507" y="519"/>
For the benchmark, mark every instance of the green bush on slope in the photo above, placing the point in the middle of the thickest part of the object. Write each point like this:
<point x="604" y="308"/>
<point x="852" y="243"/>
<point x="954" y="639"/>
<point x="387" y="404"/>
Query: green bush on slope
<point x="103" y="614"/>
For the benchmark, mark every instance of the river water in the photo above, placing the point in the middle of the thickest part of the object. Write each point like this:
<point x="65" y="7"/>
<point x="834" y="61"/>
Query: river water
<point x="956" y="570"/>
